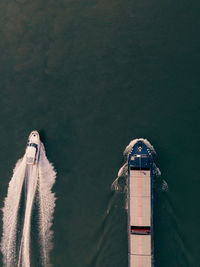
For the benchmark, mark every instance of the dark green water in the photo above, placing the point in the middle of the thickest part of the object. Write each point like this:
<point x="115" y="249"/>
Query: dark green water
<point x="91" y="76"/>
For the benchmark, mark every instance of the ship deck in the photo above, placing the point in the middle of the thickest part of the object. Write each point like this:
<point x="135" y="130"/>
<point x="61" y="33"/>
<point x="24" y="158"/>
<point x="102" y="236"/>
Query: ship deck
<point x="140" y="254"/>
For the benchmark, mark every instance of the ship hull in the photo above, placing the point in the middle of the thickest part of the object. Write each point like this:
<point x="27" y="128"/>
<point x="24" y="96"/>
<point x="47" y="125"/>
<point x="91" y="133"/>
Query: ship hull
<point x="140" y="207"/>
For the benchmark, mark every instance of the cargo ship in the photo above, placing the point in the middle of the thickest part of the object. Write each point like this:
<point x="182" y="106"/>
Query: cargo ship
<point x="140" y="206"/>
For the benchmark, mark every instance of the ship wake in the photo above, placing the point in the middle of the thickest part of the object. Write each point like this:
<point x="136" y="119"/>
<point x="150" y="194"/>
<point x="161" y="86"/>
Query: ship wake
<point x="33" y="184"/>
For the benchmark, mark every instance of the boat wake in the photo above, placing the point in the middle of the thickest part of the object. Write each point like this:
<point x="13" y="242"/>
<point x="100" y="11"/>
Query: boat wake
<point x="36" y="181"/>
<point x="120" y="183"/>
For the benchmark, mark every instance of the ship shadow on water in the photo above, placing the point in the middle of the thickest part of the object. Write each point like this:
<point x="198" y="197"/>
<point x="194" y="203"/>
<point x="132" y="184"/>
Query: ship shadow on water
<point x="164" y="218"/>
<point x="43" y="136"/>
<point x="107" y="253"/>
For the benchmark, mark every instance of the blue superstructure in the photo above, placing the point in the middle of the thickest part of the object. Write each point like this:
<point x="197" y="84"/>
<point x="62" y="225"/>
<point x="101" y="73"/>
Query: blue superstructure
<point x="140" y="157"/>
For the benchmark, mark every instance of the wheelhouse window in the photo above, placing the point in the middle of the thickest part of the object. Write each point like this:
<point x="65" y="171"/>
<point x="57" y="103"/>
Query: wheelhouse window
<point x="139" y="168"/>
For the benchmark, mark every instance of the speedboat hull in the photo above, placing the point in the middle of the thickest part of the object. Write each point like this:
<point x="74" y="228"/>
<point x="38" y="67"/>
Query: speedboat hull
<point x="33" y="148"/>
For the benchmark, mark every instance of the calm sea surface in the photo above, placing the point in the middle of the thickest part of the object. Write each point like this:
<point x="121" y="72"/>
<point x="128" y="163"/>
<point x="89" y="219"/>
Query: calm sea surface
<point x="91" y="76"/>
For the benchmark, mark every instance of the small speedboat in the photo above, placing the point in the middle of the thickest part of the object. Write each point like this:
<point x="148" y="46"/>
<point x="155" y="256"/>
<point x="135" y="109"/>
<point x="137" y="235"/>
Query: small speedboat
<point x="33" y="148"/>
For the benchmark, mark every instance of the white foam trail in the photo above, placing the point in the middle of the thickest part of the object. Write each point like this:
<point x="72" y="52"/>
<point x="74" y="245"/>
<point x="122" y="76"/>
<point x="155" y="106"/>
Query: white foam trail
<point x="47" y="176"/>
<point x="24" y="252"/>
<point x="164" y="186"/>
<point x="41" y="178"/>
<point x="123" y="172"/>
<point x="10" y="214"/>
